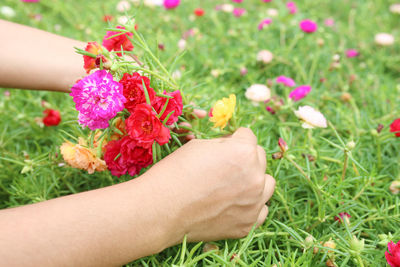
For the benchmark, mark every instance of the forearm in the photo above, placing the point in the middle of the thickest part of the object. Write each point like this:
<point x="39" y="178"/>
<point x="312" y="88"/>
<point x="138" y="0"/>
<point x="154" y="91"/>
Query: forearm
<point x="104" y="227"/>
<point x="35" y="59"/>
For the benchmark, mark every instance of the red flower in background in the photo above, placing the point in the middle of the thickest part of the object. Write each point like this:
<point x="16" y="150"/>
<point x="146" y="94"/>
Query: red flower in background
<point x="395" y="127"/>
<point x="107" y="18"/>
<point x="118" y="42"/>
<point x="90" y="62"/>
<point x="144" y="126"/>
<point x="51" y="117"/>
<point x="393" y="256"/>
<point x="199" y="12"/>
<point x="174" y="104"/>
<point x="343" y="216"/>
<point x="134" y="91"/>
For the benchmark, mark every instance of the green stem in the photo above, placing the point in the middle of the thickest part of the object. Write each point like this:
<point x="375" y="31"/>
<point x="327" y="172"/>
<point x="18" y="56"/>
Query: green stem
<point x="345" y="163"/>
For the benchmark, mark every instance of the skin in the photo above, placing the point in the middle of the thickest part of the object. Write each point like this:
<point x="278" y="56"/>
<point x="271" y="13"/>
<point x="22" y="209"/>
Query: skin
<point x="207" y="190"/>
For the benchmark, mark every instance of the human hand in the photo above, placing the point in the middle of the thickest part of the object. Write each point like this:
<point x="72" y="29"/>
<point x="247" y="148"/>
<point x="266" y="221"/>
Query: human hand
<point x="215" y="189"/>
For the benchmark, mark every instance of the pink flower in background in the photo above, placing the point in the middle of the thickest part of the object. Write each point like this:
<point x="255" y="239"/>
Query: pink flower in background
<point x="98" y="98"/>
<point x="30" y="1"/>
<point x="238" y="12"/>
<point x="393" y="256"/>
<point x="352" y="53"/>
<point x="289" y="82"/>
<point x="170" y="4"/>
<point x="266" y="1"/>
<point x="300" y="92"/>
<point x="263" y="23"/>
<point x="308" y="26"/>
<point x="270" y="110"/>
<point x="237" y="1"/>
<point x="329" y="22"/>
<point x="292" y="7"/>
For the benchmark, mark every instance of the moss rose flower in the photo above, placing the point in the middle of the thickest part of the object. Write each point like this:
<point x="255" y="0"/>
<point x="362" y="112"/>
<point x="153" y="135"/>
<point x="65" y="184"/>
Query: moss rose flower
<point x="134" y="91"/>
<point x="174" y="104"/>
<point x="115" y="43"/>
<point x="393" y="256"/>
<point x="395" y="127"/>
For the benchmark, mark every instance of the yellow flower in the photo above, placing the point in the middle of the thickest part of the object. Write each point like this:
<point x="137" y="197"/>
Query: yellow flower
<point x="81" y="157"/>
<point x="223" y="111"/>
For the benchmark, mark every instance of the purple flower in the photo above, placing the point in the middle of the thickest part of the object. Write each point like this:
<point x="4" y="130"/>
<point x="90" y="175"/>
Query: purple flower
<point x="300" y="92"/>
<point x="285" y="81"/>
<point x="98" y="98"/>
<point x="352" y="53"/>
<point x="263" y="23"/>
<point x="292" y="7"/>
<point x="308" y="26"/>
<point x="238" y="12"/>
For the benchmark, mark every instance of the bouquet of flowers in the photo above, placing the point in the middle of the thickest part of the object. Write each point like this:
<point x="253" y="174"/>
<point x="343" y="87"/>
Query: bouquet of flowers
<point x="133" y="107"/>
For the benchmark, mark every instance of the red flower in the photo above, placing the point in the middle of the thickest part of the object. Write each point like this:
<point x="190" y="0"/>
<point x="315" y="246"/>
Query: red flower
<point x="343" y="216"/>
<point x="113" y="159"/>
<point x="51" y="117"/>
<point x="144" y="126"/>
<point x="395" y="127"/>
<point x="393" y="256"/>
<point x="134" y="91"/>
<point x="115" y="43"/>
<point x="199" y="12"/>
<point x="90" y="62"/>
<point x="136" y="156"/>
<point x="174" y="104"/>
<point x="107" y="18"/>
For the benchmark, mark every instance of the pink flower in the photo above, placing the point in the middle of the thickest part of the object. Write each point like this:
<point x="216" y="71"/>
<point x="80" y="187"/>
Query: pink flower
<point x="266" y="1"/>
<point x="308" y="26"/>
<point x="329" y="22"/>
<point x="30" y="1"/>
<point x="170" y="4"/>
<point x="263" y="23"/>
<point x="393" y="256"/>
<point x="98" y="98"/>
<point x="292" y="7"/>
<point x="237" y="1"/>
<point x="270" y="110"/>
<point x="285" y="81"/>
<point x="238" y="12"/>
<point x="352" y="53"/>
<point x="300" y="92"/>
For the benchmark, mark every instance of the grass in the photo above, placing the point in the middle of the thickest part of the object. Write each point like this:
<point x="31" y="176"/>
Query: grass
<point x="300" y="206"/>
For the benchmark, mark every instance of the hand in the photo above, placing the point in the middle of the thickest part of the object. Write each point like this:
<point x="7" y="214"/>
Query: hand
<point x="217" y="188"/>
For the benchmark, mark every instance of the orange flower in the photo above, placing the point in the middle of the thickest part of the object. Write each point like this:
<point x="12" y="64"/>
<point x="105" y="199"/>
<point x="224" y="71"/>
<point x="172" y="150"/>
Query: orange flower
<point x="80" y="157"/>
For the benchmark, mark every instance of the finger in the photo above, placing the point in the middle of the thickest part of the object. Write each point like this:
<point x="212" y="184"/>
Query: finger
<point x="262" y="157"/>
<point x="245" y="134"/>
<point x="269" y="187"/>
<point x="199" y="113"/>
<point x="262" y="216"/>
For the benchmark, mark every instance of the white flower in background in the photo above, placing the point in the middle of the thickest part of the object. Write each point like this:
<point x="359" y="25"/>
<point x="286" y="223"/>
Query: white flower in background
<point x="395" y="187"/>
<point x="265" y="56"/>
<point x="272" y="12"/>
<point x="311" y="118"/>
<point x="395" y="8"/>
<point x="384" y="39"/>
<point x="122" y="20"/>
<point x="123" y="6"/>
<point x="57" y="27"/>
<point x="215" y="73"/>
<point x="176" y="75"/>
<point x="336" y="57"/>
<point x="182" y="44"/>
<point x="7" y="11"/>
<point x="228" y="8"/>
<point x="258" y="93"/>
<point x="151" y="3"/>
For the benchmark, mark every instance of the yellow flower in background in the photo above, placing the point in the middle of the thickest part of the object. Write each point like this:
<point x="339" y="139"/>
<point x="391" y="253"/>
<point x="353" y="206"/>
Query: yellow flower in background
<point x="222" y="111"/>
<point x="81" y="157"/>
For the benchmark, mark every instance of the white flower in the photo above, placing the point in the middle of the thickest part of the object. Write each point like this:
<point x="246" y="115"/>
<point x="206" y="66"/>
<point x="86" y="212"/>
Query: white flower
<point x="215" y="73"/>
<point x="272" y="12"/>
<point x="7" y="11"/>
<point x="384" y="39"/>
<point x="395" y="8"/>
<point x="265" y="56"/>
<point x="258" y="93"/>
<point x="151" y="3"/>
<point x="123" y="6"/>
<point x="395" y="187"/>
<point x="228" y="8"/>
<point x="57" y="27"/>
<point x="311" y="118"/>
<point x="176" y="75"/>
<point x="123" y="20"/>
<point x="182" y="44"/>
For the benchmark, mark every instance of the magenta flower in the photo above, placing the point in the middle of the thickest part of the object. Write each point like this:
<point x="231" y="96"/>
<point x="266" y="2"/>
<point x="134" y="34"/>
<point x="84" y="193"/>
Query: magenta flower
<point x="308" y="26"/>
<point x="292" y="7"/>
<point x="238" y="12"/>
<point x="393" y="256"/>
<point x="30" y="1"/>
<point x="329" y="22"/>
<point x="352" y="53"/>
<point x="237" y="1"/>
<point x="98" y="98"/>
<point x="300" y="92"/>
<point x="170" y="4"/>
<point x="289" y="82"/>
<point x="266" y="1"/>
<point x="263" y="23"/>
<point x="270" y="110"/>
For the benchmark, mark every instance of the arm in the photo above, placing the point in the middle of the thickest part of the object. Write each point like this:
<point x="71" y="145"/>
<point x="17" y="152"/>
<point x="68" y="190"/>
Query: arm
<point x="35" y="59"/>
<point x="208" y="189"/>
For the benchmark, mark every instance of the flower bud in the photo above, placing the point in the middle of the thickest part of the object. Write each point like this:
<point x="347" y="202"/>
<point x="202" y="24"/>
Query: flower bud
<point x="395" y="187"/>
<point x="283" y="145"/>
<point x="356" y="244"/>
<point x="208" y="247"/>
<point x="330" y="244"/>
<point x="309" y="241"/>
<point x="350" y="145"/>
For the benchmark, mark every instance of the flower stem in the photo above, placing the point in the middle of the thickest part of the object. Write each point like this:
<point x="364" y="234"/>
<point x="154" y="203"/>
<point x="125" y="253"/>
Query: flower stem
<point x="345" y="163"/>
